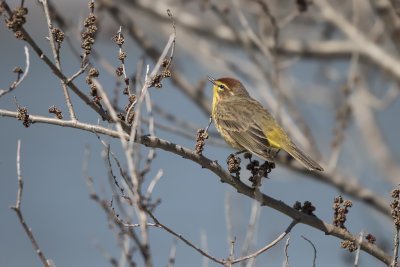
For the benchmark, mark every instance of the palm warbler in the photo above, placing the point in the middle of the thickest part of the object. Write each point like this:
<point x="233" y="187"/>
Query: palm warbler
<point x="247" y="126"/>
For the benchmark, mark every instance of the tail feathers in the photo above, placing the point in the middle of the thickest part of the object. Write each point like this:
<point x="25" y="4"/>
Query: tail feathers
<point x="305" y="160"/>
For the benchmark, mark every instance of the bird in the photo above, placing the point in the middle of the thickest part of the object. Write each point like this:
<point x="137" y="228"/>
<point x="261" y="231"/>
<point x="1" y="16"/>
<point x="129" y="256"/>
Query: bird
<point x="246" y="125"/>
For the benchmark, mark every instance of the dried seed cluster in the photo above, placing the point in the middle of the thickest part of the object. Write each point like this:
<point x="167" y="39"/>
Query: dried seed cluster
<point x="58" y="35"/>
<point x="16" y="21"/>
<point x="307" y="208"/>
<point x="395" y="205"/>
<point x="370" y="238"/>
<point x="18" y="71"/>
<point x="119" y="39"/>
<point x="165" y="73"/>
<point x="56" y="111"/>
<point x="156" y="81"/>
<point x="258" y="171"/>
<point x="350" y="245"/>
<point x="234" y="164"/>
<point x="202" y="135"/>
<point x="91" y="30"/>
<point x="302" y="5"/>
<point x="93" y="73"/>
<point x="119" y="71"/>
<point x="340" y="207"/>
<point x="121" y="116"/>
<point x="130" y="115"/>
<point x="23" y="116"/>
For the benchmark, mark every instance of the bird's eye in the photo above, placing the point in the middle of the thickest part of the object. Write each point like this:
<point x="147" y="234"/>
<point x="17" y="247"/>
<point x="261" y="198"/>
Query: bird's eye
<point x="221" y="87"/>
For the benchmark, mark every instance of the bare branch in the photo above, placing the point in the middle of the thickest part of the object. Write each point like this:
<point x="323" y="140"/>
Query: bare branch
<point x="56" y="55"/>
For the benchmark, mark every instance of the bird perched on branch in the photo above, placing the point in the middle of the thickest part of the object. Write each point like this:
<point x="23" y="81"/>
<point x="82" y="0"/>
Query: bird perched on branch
<point x="247" y="126"/>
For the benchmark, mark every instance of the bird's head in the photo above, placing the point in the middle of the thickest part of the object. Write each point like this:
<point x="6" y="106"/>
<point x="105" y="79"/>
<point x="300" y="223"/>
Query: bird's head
<point x="226" y="87"/>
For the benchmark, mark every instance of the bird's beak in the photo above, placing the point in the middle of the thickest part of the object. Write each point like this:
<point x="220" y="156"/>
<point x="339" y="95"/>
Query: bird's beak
<point x="211" y="79"/>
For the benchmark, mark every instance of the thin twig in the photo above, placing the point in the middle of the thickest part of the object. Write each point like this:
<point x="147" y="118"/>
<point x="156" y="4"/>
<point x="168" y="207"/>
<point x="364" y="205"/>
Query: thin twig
<point x="79" y="72"/>
<point x="19" y="176"/>
<point x="232" y="252"/>
<point x="228" y="217"/>
<point x="204" y="246"/>
<point x="126" y="79"/>
<point x="217" y="141"/>
<point x="251" y="228"/>
<point x="153" y="183"/>
<point x="56" y="55"/>
<point x="172" y="253"/>
<point x="396" y="248"/>
<point x="113" y="261"/>
<point x="358" y="249"/>
<point x="315" y="250"/>
<point x="17" y="209"/>
<point x="151" y="154"/>
<point x="180" y="123"/>
<point x="202" y="252"/>
<point x="273" y="243"/>
<point x="286" y="262"/>
<point x="19" y="79"/>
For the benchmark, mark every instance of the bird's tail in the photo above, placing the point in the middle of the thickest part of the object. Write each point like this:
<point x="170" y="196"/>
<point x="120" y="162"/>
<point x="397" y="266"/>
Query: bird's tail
<point x="300" y="156"/>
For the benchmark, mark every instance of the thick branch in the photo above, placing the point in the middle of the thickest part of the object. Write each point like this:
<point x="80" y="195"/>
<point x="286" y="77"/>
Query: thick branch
<point x="343" y="183"/>
<point x="153" y="141"/>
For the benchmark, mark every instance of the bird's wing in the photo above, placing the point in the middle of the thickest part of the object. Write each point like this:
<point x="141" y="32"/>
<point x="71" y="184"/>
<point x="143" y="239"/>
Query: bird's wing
<point x="237" y="119"/>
